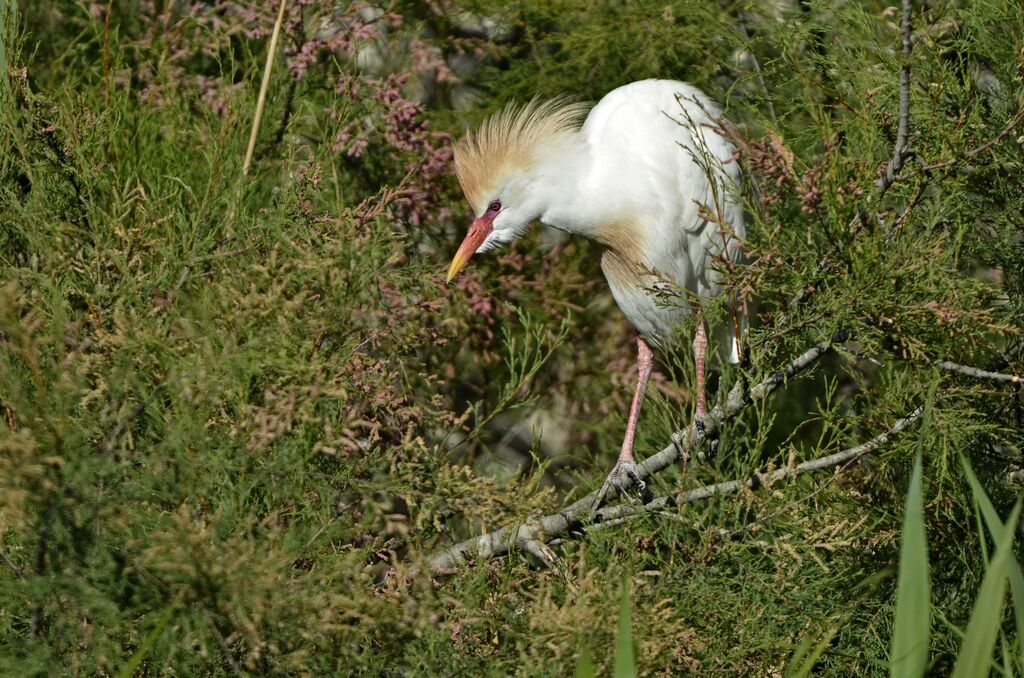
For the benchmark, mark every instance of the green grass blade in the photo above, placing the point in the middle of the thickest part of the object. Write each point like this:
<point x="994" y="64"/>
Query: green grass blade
<point x="133" y="664"/>
<point x="975" y="657"/>
<point x="806" y="656"/>
<point x="8" y="28"/>
<point x="988" y="511"/>
<point x="625" y="663"/>
<point x="995" y="528"/>
<point x="912" y="626"/>
<point x="585" y="665"/>
<point x="1008" y="671"/>
<point x="3" y="44"/>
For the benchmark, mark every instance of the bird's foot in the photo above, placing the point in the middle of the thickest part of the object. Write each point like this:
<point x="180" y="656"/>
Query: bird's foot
<point x="624" y="478"/>
<point x="709" y="452"/>
<point x="713" y="446"/>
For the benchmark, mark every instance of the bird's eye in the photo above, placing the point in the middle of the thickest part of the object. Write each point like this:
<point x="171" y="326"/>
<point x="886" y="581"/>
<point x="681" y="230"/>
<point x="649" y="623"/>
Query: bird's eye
<point x="494" y="206"/>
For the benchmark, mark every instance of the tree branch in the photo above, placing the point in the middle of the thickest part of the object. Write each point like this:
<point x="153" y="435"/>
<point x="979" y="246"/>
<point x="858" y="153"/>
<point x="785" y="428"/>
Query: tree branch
<point x="900" y="149"/>
<point x="11" y="564"/>
<point x="977" y="372"/>
<point x="524" y="535"/>
<point x="532" y="536"/>
<point x="621" y="513"/>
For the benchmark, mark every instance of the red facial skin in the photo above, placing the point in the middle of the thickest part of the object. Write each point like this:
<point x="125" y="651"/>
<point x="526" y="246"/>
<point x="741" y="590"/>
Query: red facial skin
<point x="478" y="232"/>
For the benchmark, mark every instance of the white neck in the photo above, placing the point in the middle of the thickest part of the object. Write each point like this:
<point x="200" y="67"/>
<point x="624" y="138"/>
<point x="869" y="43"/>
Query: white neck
<point x="563" y="191"/>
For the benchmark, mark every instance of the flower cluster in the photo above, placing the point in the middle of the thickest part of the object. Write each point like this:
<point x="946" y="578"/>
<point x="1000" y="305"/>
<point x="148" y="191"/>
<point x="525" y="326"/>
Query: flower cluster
<point x="349" y="52"/>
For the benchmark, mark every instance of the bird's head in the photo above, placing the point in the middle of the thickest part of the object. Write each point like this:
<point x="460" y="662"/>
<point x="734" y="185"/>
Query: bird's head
<point x="502" y="168"/>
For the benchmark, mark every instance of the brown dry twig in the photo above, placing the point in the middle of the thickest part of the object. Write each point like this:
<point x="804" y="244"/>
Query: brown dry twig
<point x="261" y="99"/>
<point x="975" y="152"/>
<point x="10" y="563"/>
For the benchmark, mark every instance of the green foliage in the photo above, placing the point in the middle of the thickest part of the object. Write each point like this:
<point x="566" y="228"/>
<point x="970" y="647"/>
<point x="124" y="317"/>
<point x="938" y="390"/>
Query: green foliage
<point x="236" y="412"/>
<point x="913" y="599"/>
<point x="807" y="654"/>
<point x="996" y="530"/>
<point x="914" y="604"/>
<point x="135" y="662"/>
<point x="625" y="664"/>
<point x="986" y="617"/>
<point x="912" y="624"/>
<point x="585" y="665"/>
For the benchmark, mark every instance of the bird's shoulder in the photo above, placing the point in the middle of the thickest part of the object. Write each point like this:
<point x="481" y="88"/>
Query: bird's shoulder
<point x="639" y="131"/>
<point x="658" y="155"/>
<point x="653" y="105"/>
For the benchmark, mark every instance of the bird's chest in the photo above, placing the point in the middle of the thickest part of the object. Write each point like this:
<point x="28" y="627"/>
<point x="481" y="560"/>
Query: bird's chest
<point x="655" y="304"/>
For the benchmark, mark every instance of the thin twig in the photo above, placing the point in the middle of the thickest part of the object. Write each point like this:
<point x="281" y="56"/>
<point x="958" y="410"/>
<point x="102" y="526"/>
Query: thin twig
<point x="681" y="449"/>
<point x="860" y="355"/>
<point x="12" y="564"/>
<point x="789" y="329"/>
<point x="757" y="68"/>
<point x="900" y="149"/>
<point x="226" y="649"/>
<point x="106" y="51"/>
<point x="809" y="289"/>
<point x="975" y="152"/>
<point x="977" y="372"/>
<point x="262" y="99"/>
<point x="115" y="433"/>
<point x="901" y="152"/>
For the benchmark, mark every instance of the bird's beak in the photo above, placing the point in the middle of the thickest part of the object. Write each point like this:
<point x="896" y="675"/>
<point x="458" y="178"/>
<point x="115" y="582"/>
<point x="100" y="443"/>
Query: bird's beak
<point x="478" y="232"/>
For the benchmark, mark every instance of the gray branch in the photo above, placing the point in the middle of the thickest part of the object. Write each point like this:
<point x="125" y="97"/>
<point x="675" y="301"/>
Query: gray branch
<point x="900" y="149"/>
<point x="977" y="372"/>
<point x="622" y="513"/>
<point x="532" y="535"/>
<point x="524" y="535"/>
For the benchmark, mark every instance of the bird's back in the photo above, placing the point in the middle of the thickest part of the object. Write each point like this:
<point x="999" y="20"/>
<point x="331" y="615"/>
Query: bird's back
<point x="661" y="164"/>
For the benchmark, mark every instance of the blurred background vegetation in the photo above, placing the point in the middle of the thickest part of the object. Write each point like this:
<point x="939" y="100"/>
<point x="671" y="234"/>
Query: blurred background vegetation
<point x="231" y="405"/>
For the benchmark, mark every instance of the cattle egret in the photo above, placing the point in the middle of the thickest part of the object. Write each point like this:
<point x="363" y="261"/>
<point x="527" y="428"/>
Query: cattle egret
<point x="648" y="177"/>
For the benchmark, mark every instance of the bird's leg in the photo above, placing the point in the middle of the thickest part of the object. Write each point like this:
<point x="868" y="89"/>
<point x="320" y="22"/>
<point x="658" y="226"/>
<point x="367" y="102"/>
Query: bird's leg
<point x="625" y="465"/>
<point x="644" y="365"/>
<point x="700" y="352"/>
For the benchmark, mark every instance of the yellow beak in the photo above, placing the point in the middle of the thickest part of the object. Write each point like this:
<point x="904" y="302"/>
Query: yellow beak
<point x="458" y="262"/>
<point x="478" y="232"/>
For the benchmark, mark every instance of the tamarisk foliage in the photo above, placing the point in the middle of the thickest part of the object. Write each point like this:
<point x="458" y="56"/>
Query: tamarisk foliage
<point x="246" y="428"/>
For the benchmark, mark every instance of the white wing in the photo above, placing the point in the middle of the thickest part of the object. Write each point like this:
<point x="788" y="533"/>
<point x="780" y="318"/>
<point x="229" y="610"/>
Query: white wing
<point x="657" y="153"/>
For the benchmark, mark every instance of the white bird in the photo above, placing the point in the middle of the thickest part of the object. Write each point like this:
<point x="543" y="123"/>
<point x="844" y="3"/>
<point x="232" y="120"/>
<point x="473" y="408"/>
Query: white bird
<point x="648" y="176"/>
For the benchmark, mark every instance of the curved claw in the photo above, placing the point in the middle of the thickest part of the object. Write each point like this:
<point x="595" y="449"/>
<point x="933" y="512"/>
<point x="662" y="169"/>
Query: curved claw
<point x="615" y="479"/>
<point x="713" y="447"/>
<point x="709" y="444"/>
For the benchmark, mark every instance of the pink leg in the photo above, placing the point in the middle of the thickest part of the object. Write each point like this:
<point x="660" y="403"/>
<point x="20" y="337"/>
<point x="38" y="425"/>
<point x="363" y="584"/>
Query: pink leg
<point x="700" y="350"/>
<point x="644" y="365"/>
<point x="625" y="471"/>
